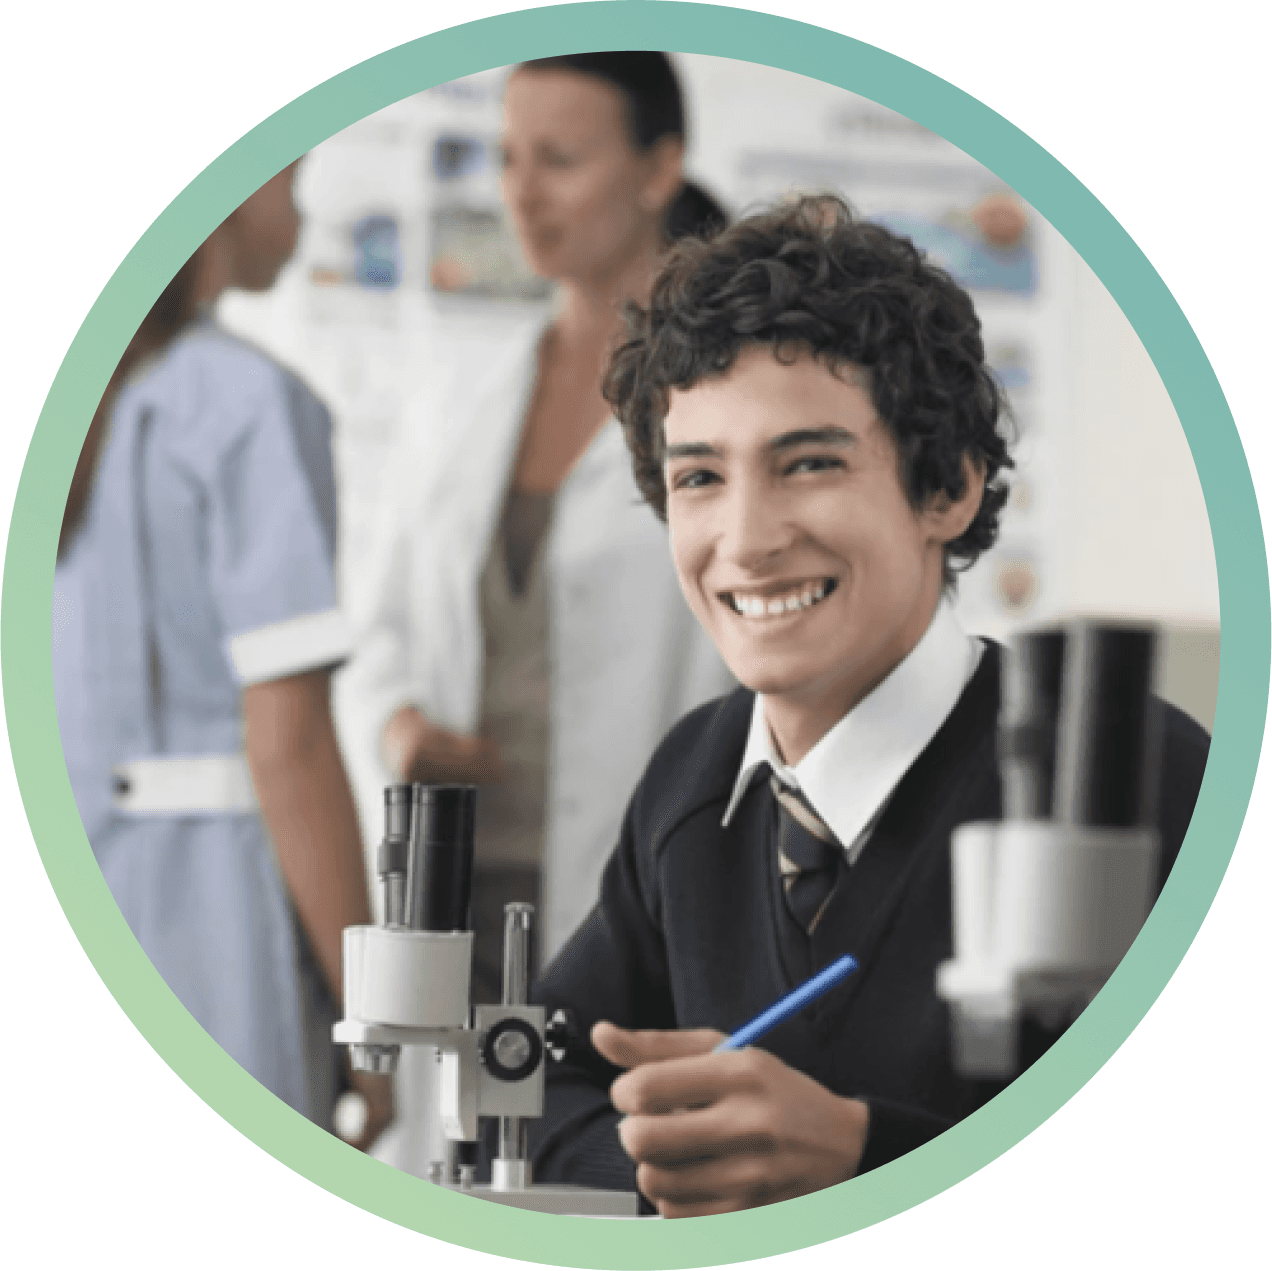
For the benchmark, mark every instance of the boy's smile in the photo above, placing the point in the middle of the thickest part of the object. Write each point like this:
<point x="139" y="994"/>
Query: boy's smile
<point x="794" y="540"/>
<point x="787" y="598"/>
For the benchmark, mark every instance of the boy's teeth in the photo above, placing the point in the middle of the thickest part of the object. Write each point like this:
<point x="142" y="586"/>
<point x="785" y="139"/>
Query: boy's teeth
<point x="759" y="607"/>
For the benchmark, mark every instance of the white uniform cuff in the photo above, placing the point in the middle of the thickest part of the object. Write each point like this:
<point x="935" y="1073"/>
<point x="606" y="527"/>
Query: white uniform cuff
<point x="292" y="646"/>
<point x="185" y="784"/>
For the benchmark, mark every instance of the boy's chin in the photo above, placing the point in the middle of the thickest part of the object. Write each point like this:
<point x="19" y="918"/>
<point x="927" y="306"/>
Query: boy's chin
<point x="768" y="680"/>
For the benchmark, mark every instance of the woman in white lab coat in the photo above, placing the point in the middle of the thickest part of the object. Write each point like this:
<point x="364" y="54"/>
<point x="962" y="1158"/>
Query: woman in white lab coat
<point x="526" y="629"/>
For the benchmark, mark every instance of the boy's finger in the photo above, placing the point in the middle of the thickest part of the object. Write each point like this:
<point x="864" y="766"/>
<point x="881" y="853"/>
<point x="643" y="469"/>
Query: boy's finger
<point x="628" y="1048"/>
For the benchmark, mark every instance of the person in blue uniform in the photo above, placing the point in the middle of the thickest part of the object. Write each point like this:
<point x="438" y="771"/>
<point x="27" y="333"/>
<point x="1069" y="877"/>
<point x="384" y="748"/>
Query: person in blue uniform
<point x="195" y="629"/>
<point x="807" y="403"/>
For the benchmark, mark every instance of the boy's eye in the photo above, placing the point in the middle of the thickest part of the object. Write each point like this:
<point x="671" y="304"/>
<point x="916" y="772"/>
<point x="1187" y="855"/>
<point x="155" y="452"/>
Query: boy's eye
<point x="693" y="479"/>
<point x="813" y="463"/>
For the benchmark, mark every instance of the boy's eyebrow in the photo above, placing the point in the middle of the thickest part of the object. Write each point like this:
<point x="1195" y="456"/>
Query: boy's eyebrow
<point x="827" y="435"/>
<point x="693" y="450"/>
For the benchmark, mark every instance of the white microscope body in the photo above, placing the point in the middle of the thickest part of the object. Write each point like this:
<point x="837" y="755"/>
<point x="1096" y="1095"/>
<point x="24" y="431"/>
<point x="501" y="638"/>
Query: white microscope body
<point x="407" y="983"/>
<point x="1047" y="902"/>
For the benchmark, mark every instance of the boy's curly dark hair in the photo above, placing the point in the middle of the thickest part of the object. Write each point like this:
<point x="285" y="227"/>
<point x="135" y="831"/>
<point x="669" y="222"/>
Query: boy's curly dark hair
<point x="811" y="277"/>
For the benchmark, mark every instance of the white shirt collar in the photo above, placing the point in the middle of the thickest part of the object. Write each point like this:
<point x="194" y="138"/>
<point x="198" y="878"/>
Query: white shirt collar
<point x="849" y="774"/>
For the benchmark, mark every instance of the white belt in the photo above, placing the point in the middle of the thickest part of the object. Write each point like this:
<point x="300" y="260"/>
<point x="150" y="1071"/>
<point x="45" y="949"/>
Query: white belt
<point x="191" y="783"/>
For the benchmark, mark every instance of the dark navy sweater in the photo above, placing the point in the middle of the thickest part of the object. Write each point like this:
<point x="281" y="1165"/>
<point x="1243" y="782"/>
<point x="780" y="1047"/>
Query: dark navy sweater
<point x="691" y="931"/>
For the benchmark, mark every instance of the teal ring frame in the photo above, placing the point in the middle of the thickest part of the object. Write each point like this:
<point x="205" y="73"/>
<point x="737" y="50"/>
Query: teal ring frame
<point x="746" y="36"/>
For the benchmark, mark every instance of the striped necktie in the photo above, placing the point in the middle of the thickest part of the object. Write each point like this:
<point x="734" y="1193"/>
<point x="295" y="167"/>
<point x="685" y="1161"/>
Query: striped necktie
<point x="809" y="854"/>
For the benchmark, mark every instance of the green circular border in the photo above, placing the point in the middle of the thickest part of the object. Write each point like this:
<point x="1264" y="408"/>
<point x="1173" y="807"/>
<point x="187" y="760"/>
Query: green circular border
<point x="746" y="36"/>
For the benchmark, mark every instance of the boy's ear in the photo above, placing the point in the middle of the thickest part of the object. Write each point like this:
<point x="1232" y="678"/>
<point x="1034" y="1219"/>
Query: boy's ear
<point x="948" y="518"/>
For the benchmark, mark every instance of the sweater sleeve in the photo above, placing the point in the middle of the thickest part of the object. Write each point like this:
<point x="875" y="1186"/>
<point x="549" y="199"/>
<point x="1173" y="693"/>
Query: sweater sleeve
<point x="895" y="1129"/>
<point x="614" y="968"/>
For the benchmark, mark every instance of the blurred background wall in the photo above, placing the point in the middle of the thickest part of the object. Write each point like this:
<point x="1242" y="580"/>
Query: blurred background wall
<point x="404" y="257"/>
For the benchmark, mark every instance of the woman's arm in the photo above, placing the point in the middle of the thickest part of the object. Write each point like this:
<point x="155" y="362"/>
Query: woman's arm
<point x="377" y="679"/>
<point x="378" y="683"/>
<point x="415" y="749"/>
<point x="305" y="800"/>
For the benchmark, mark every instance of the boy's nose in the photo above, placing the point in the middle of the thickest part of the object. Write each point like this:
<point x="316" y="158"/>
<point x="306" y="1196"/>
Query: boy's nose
<point x="755" y="528"/>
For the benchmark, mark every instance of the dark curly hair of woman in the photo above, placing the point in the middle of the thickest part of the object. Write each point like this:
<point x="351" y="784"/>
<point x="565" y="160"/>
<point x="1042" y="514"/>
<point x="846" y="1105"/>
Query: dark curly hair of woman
<point x="810" y="277"/>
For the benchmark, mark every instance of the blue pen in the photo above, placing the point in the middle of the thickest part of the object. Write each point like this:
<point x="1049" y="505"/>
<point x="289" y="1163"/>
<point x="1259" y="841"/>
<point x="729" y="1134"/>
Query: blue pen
<point x="794" y="1001"/>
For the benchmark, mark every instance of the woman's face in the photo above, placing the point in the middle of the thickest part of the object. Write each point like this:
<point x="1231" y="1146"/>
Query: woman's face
<point x="264" y="232"/>
<point x="583" y="201"/>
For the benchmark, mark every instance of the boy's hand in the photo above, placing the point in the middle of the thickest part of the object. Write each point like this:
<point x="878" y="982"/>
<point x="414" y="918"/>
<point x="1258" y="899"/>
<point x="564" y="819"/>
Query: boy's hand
<point x="712" y="1133"/>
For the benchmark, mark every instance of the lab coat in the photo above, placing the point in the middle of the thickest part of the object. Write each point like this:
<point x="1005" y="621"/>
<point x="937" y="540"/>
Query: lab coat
<point x="627" y="657"/>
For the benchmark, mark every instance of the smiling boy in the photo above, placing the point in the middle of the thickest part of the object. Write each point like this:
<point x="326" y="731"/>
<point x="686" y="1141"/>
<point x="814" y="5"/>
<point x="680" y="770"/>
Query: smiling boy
<point x="807" y="403"/>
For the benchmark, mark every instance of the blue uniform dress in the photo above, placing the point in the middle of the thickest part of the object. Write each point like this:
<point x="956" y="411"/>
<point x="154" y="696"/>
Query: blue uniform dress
<point x="204" y="564"/>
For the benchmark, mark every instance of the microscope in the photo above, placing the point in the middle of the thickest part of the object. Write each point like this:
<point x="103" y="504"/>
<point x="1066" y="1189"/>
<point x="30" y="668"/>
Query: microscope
<point x="1047" y="901"/>
<point x="407" y="983"/>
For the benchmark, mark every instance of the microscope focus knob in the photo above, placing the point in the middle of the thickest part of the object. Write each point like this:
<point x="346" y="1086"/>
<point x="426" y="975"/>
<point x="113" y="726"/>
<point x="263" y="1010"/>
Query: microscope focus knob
<point x="561" y="1033"/>
<point x="511" y="1050"/>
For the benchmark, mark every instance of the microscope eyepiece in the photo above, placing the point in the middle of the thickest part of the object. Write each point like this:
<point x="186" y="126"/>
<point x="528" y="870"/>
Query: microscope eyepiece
<point x="1108" y="747"/>
<point x="397" y="811"/>
<point x="1032" y="676"/>
<point x="396" y="845"/>
<point x="440" y="871"/>
<point x="1078" y="732"/>
<point x="395" y="850"/>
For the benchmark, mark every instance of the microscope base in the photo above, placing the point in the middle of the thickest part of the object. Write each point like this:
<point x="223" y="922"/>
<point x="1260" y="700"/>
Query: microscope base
<point x="557" y="1198"/>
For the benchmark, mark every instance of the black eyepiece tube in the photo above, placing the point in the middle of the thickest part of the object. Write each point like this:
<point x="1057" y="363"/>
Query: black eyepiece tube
<point x="1033" y="672"/>
<point x="440" y="871"/>
<point x="395" y="852"/>
<point x="397" y="811"/>
<point x="1108" y="746"/>
<point x="396" y="846"/>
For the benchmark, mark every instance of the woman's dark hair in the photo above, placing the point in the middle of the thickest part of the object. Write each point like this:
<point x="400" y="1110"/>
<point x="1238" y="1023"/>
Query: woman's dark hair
<point x="167" y="316"/>
<point x="693" y="213"/>
<point x="655" y="108"/>
<point x="810" y="277"/>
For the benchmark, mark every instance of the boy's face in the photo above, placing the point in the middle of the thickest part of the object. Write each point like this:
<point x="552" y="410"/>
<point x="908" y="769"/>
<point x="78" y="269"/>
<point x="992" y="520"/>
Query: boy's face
<point x="793" y="538"/>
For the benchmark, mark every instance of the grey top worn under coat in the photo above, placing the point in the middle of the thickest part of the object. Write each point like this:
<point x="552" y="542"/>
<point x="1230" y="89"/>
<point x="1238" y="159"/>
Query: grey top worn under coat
<point x="515" y="685"/>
